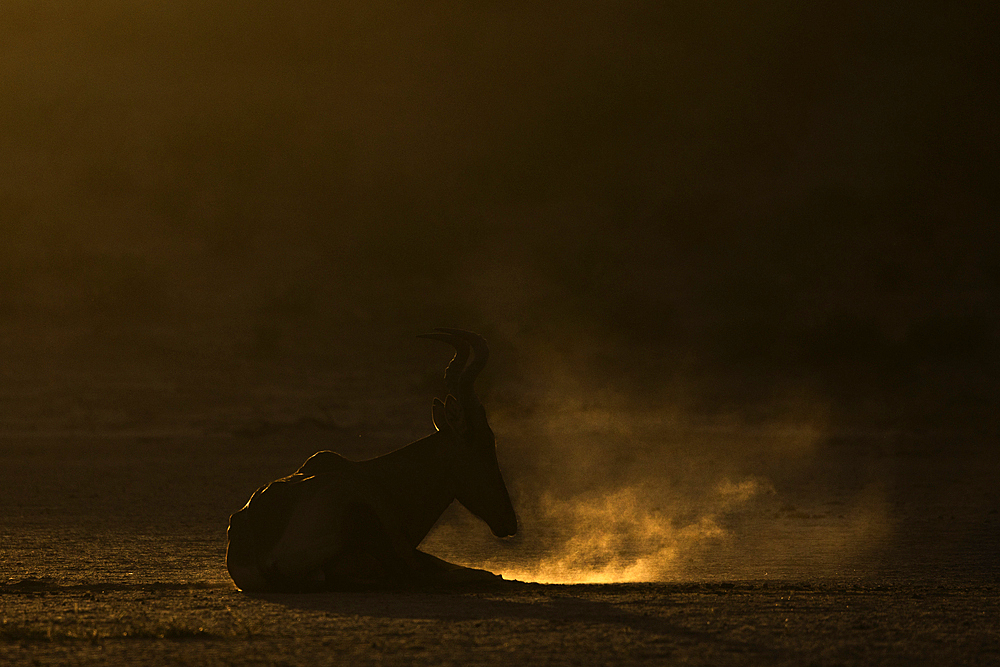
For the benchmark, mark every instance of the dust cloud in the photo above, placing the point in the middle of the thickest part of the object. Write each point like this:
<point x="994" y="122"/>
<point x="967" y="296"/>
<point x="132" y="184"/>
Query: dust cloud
<point x="611" y="487"/>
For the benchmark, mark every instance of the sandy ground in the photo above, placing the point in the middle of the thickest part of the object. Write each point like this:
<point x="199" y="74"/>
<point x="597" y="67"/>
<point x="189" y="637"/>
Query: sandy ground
<point x="859" y="549"/>
<point x="697" y="623"/>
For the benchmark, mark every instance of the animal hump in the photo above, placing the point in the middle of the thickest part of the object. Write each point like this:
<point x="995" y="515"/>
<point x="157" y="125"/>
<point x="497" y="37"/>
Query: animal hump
<point x="323" y="462"/>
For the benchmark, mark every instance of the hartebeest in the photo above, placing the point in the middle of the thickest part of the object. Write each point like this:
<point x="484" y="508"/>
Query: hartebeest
<point x="337" y="523"/>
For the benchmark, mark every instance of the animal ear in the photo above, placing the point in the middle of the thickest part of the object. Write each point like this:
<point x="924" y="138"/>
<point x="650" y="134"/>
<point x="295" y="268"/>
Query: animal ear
<point x="449" y="415"/>
<point x="438" y="415"/>
<point x="454" y="412"/>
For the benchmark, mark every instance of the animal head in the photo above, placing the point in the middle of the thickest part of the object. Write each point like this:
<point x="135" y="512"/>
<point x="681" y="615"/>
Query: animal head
<point x="472" y="456"/>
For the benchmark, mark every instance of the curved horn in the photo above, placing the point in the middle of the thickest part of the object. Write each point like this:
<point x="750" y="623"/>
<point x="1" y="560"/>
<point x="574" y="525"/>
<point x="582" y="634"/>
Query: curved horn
<point x="482" y="354"/>
<point x="453" y="374"/>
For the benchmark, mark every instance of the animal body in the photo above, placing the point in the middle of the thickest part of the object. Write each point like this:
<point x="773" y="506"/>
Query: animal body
<point x="337" y="524"/>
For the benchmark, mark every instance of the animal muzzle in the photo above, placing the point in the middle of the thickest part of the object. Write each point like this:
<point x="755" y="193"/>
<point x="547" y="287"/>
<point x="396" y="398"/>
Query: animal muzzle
<point x="505" y="527"/>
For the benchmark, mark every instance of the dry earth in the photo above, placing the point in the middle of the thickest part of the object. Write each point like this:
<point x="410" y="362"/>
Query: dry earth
<point x="697" y="623"/>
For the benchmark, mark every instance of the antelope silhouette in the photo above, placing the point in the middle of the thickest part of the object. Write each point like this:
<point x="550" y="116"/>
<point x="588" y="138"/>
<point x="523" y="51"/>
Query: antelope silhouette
<point x="342" y="524"/>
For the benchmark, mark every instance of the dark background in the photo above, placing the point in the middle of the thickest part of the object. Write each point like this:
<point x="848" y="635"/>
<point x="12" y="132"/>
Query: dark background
<point x="737" y="203"/>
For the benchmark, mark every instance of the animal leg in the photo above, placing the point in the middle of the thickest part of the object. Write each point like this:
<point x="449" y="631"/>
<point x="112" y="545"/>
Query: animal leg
<point x="370" y="555"/>
<point x="441" y="571"/>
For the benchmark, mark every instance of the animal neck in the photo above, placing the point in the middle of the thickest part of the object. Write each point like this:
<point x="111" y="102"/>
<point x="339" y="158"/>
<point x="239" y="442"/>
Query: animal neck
<point x="417" y="483"/>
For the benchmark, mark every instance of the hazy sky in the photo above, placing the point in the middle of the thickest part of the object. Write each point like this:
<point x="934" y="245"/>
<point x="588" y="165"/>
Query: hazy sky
<point x="749" y="180"/>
